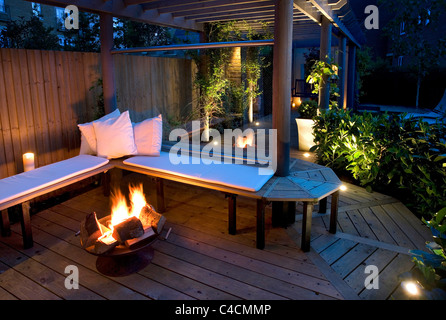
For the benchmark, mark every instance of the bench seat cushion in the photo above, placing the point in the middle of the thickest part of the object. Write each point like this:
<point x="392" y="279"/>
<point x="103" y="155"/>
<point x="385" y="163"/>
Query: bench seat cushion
<point x="238" y="176"/>
<point x="30" y="181"/>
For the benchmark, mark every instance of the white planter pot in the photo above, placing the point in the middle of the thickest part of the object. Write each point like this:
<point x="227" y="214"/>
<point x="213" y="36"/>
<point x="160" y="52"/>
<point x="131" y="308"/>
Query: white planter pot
<point x="305" y="133"/>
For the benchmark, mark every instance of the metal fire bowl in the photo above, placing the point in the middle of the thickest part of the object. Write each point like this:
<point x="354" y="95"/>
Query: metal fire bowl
<point x="123" y="261"/>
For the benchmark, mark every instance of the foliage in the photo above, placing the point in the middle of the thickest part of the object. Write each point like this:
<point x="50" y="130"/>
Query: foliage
<point x="308" y="109"/>
<point x="325" y="70"/>
<point x="388" y="153"/>
<point x="131" y="34"/>
<point x="86" y="39"/>
<point x="432" y="264"/>
<point x="420" y="18"/>
<point x="28" y="34"/>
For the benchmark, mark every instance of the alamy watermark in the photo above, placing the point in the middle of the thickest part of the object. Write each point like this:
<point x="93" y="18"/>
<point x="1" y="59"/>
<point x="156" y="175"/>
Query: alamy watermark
<point x="260" y="146"/>
<point x="72" y="19"/>
<point x="72" y="280"/>
<point x="372" y="20"/>
<point x="372" y="280"/>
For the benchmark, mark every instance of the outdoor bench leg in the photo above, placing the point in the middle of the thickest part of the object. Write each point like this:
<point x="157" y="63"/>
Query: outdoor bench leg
<point x="323" y="205"/>
<point x="283" y="213"/>
<point x="306" y="226"/>
<point x="260" y="240"/>
<point x="25" y="222"/>
<point x="334" y="211"/>
<point x="5" y="226"/>
<point x="232" y="212"/>
<point x="160" y="204"/>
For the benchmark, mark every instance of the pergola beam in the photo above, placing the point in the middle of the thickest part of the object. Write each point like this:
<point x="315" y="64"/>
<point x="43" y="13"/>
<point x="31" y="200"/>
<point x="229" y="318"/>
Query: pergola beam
<point x="324" y="8"/>
<point x="118" y="8"/>
<point x="207" y="45"/>
<point x="306" y="8"/>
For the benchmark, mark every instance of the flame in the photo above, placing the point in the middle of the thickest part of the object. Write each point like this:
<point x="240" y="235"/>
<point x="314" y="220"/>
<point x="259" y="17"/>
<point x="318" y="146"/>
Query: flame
<point x="120" y="211"/>
<point x="243" y="142"/>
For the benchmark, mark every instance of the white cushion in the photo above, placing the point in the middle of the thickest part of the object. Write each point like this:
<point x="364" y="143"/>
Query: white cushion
<point x="88" y="136"/>
<point x="148" y="136"/>
<point x="227" y="174"/>
<point x="114" y="137"/>
<point x="27" y="182"/>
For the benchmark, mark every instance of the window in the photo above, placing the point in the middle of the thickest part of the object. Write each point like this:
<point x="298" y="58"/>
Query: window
<point x="400" y="61"/>
<point x="37" y="10"/>
<point x="2" y="6"/>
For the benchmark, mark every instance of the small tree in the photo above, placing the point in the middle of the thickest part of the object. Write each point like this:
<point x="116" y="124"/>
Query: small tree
<point x="28" y="34"/>
<point x="409" y="29"/>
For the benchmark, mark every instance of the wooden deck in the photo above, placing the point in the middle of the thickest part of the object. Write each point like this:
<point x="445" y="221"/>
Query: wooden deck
<point x="200" y="260"/>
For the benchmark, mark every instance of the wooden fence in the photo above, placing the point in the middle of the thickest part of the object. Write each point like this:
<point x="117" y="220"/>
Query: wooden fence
<point x="45" y="94"/>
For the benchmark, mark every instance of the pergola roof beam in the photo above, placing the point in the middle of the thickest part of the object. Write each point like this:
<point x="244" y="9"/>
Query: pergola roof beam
<point x="205" y="45"/>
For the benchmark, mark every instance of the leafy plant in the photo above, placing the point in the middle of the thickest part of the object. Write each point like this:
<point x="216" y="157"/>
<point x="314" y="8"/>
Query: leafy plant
<point x="432" y="265"/>
<point x="390" y="153"/>
<point x="325" y="71"/>
<point x="308" y="109"/>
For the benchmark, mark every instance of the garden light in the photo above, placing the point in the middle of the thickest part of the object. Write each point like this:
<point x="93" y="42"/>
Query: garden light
<point x="306" y="154"/>
<point x="343" y="187"/>
<point x="411" y="287"/>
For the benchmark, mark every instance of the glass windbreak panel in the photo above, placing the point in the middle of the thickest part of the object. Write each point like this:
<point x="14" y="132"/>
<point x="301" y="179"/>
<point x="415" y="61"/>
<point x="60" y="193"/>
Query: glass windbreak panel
<point x="227" y="116"/>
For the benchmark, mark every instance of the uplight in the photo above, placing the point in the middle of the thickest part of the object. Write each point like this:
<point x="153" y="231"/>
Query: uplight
<point x="343" y="187"/>
<point x="306" y="154"/>
<point x="411" y="287"/>
<point x="257" y="123"/>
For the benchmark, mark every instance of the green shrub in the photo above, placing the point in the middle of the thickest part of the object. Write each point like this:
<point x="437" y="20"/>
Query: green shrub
<point x="308" y="109"/>
<point x="387" y="153"/>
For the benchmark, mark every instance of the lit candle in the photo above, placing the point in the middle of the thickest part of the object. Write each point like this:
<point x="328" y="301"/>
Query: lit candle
<point x="28" y="161"/>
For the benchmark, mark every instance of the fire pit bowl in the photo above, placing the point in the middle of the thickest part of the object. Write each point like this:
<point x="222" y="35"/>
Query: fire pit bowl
<point x="122" y="260"/>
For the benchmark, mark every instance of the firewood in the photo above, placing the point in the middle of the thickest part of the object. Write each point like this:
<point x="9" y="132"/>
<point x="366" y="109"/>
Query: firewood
<point x="128" y="229"/>
<point x="105" y="245"/>
<point x="90" y="230"/>
<point x="149" y="217"/>
<point x="148" y="234"/>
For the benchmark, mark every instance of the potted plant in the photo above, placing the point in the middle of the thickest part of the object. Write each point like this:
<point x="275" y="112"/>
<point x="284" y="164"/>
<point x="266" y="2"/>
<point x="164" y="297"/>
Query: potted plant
<point x="307" y="111"/>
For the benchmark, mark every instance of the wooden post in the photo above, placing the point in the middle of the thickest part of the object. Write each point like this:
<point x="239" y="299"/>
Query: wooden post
<point x="351" y="76"/>
<point x="4" y="224"/>
<point x="334" y="212"/>
<point x="323" y="205"/>
<point x="283" y="38"/>
<point x="283" y="213"/>
<point x="108" y="78"/>
<point x="260" y="238"/>
<point x="160" y="204"/>
<point x="232" y="213"/>
<point x="341" y="72"/>
<point x="25" y="222"/>
<point x="325" y="54"/>
<point x="306" y="226"/>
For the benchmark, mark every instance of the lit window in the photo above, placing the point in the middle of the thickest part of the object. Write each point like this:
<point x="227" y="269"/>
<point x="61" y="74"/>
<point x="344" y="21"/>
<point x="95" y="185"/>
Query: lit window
<point x="2" y="6"/>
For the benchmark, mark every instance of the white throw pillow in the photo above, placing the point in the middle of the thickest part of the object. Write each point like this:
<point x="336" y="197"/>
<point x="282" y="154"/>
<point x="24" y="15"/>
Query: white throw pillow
<point x="115" y="137"/>
<point x="148" y="136"/>
<point x="88" y="136"/>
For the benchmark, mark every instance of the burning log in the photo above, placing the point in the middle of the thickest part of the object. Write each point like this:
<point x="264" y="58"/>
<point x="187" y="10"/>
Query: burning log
<point x="105" y="244"/>
<point x="149" y="217"/>
<point x="148" y="234"/>
<point x="128" y="229"/>
<point x="90" y="230"/>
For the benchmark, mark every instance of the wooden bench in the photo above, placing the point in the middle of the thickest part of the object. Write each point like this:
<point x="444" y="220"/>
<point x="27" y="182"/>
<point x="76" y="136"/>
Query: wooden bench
<point x="20" y="189"/>
<point x="307" y="182"/>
